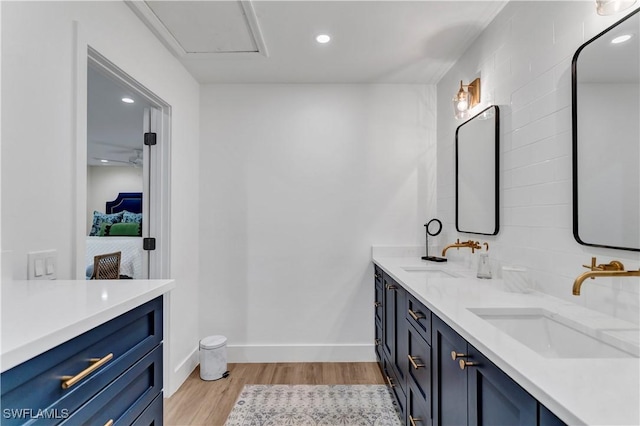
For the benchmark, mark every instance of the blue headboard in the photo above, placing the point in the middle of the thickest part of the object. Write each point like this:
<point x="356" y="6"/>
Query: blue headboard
<point x="129" y="201"/>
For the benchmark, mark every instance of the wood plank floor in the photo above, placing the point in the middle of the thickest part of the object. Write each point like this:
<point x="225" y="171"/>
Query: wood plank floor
<point x="199" y="402"/>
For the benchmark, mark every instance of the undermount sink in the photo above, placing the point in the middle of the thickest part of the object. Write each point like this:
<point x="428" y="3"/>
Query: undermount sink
<point x="554" y="336"/>
<point x="428" y="272"/>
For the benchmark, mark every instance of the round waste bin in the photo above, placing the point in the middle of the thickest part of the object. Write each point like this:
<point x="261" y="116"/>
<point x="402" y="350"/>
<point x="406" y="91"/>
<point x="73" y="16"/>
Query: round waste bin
<point x="213" y="357"/>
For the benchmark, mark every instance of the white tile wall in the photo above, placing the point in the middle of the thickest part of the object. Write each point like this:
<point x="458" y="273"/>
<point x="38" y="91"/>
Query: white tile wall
<point x="524" y="60"/>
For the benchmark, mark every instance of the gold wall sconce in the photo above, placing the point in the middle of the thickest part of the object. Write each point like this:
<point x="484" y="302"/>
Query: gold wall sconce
<point x="611" y="7"/>
<point x="464" y="100"/>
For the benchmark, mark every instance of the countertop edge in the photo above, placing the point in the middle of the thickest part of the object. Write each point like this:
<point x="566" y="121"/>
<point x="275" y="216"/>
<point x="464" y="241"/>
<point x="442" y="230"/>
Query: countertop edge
<point x="28" y="350"/>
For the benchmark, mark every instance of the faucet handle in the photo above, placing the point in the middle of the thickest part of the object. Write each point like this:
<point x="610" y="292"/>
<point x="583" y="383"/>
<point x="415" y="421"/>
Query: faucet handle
<point x="593" y="266"/>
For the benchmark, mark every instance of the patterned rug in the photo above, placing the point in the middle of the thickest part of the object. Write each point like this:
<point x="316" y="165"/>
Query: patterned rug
<point x="317" y="405"/>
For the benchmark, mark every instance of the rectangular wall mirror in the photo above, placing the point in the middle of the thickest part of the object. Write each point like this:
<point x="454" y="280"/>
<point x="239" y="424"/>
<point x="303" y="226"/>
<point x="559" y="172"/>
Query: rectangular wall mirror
<point x="477" y="155"/>
<point x="606" y="138"/>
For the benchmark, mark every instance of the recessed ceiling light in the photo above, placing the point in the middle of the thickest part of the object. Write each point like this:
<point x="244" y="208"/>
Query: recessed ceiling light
<point x="127" y="100"/>
<point x="621" y="39"/>
<point x="323" y="38"/>
<point x="104" y="161"/>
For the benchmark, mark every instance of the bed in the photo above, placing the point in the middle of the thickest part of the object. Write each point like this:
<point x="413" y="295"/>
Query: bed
<point x="126" y="206"/>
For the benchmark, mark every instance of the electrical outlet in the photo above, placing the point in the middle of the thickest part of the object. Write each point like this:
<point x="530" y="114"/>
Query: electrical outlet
<point x="42" y="265"/>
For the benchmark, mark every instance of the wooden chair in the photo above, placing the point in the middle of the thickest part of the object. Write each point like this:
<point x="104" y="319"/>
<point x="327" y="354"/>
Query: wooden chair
<point x="106" y="266"/>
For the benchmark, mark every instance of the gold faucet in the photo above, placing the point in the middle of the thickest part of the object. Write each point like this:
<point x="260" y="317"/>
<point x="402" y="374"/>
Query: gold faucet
<point x="473" y="245"/>
<point x="612" y="269"/>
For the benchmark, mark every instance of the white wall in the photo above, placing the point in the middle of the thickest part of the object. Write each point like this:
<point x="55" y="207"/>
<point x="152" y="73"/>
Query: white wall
<point x="297" y="182"/>
<point x="104" y="183"/>
<point x="38" y="141"/>
<point x="524" y="60"/>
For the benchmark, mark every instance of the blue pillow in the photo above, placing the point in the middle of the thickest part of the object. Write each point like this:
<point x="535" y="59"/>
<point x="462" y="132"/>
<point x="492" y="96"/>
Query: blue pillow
<point x="100" y="218"/>
<point x="129" y="217"/>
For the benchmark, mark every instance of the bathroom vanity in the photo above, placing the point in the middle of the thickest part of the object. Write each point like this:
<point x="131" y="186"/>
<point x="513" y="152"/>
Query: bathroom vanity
<point x="458" y="350"/>
<point x="82" y="352"/>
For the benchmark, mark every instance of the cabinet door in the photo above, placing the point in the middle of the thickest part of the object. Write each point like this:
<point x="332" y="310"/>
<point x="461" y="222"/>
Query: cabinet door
<point x="388" y="317"/>
<point x="547" y="418"/>
<point x="494" y="398"/>
<point x="449" y="381"/>
<point x="400" y="357"/>
<point x="419" y="370"/>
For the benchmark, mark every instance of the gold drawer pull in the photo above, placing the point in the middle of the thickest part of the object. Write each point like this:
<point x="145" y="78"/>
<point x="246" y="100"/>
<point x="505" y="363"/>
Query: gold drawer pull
<point x="109" y="423"/>
<point x="412" y="360"/>
<point x="416" y="315"/>
<point x="377" y="342"/>
<point x="391" y="385"/>
<point x="455" y="355"/>
<point x="464" y="364"/>
<point x="68" y="381"/>
<point x="377" y="304"/>
<point x="414" y="420"/>
<point x="376" y="275"/>
<point x="391" y="287"/>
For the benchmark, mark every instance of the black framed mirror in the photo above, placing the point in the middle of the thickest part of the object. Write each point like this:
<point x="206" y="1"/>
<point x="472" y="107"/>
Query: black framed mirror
<point x="605" y="76"/>
<point x="477" y="174"/>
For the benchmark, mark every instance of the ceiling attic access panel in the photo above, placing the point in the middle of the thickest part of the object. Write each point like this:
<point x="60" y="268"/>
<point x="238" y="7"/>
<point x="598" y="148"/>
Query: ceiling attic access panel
<point x="204" y="29"/>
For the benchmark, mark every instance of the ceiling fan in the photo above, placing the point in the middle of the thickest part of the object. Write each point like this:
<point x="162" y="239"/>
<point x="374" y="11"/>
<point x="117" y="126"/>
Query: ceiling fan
<point x="135" y="160"/>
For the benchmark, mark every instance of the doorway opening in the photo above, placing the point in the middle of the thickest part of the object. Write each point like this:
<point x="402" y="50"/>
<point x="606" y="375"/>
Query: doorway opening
<point x="126" y="185"/>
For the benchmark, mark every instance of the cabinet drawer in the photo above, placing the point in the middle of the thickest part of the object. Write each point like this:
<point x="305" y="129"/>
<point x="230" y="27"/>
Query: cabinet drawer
<point x="378" y="342"/>
<point x="377" y="274"/>
<point x="418" y="411"/>
<point x="419" y="316"/>
<point x="396" y="390"/>
<point x="420" y="365"/>
<point x="126" y="398"/>
<point x="153" y="415"/>
<point x="377" y="304"/>
<point x="36" y="384"/>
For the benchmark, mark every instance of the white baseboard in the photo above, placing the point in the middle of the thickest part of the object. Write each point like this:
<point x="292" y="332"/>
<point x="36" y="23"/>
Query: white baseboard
<point x="182" y="371"/>
<point x="301" y="353"/>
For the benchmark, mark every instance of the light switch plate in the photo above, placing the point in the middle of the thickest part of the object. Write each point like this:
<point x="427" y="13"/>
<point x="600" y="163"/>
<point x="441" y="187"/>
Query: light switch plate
<point x="42" y="265"/>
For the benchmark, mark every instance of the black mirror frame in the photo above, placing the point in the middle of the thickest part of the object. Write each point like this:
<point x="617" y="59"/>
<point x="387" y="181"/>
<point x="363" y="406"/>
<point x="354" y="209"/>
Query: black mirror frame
<point x="574" y="135"/>
<point x="497" y="170"/>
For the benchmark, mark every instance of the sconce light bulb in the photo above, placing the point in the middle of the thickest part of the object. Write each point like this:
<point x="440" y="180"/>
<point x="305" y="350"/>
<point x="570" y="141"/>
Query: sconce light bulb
<point x="462" y="105"/>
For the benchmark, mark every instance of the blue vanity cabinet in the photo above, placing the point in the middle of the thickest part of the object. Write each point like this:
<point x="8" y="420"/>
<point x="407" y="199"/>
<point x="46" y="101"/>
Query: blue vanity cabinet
<point x="120" y="388"/>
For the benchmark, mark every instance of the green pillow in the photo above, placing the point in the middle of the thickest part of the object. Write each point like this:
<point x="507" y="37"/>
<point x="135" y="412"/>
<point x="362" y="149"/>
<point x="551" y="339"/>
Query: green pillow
<point x="125" y="229"/>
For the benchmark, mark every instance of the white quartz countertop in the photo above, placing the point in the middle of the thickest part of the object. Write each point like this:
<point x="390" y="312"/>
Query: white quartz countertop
<point x="595" y="391"/>
<point x="39" y="315"/>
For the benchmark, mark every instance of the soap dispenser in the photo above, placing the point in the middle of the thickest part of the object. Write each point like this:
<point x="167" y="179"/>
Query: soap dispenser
<point x="484" y="266"/>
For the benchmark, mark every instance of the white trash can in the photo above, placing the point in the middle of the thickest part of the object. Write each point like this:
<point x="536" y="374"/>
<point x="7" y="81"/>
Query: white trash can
<point x="213" y="357"/>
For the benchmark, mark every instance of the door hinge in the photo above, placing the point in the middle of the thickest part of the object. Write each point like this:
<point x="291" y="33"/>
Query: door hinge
<point x="150" y="139"/>
<point x="149" y="243"/>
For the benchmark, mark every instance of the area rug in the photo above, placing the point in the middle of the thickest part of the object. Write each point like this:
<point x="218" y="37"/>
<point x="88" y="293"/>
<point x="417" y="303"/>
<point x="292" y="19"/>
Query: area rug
<point x="314" y="405"/>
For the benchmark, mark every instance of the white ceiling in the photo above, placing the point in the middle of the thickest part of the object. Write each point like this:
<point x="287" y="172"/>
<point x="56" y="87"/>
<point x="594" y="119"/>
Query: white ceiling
<point x="274" y="41"/>
<point x="115" y="129"/>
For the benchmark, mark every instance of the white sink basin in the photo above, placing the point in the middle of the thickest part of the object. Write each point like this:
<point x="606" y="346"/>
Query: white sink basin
<point x="428" y="272"/>
<point x="554" y="336"/>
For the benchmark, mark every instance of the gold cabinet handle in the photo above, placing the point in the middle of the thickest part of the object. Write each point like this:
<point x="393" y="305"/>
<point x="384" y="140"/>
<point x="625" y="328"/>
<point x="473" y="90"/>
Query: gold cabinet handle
<point x="391" y="287"/>
<point x="377" y="342"/>
<point x="68" y="381"/>
<point x="376" y="275"/>
<point x="464" y="364"/>
<point x="455" y="355"/>
<point x="391" y="385"/>
<point x="109" y="423"/>
<point x="416" y="315"/>
<point x="412" y="360"/>
<point x="377" y="304"/>
<point x="414" y="420"/>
